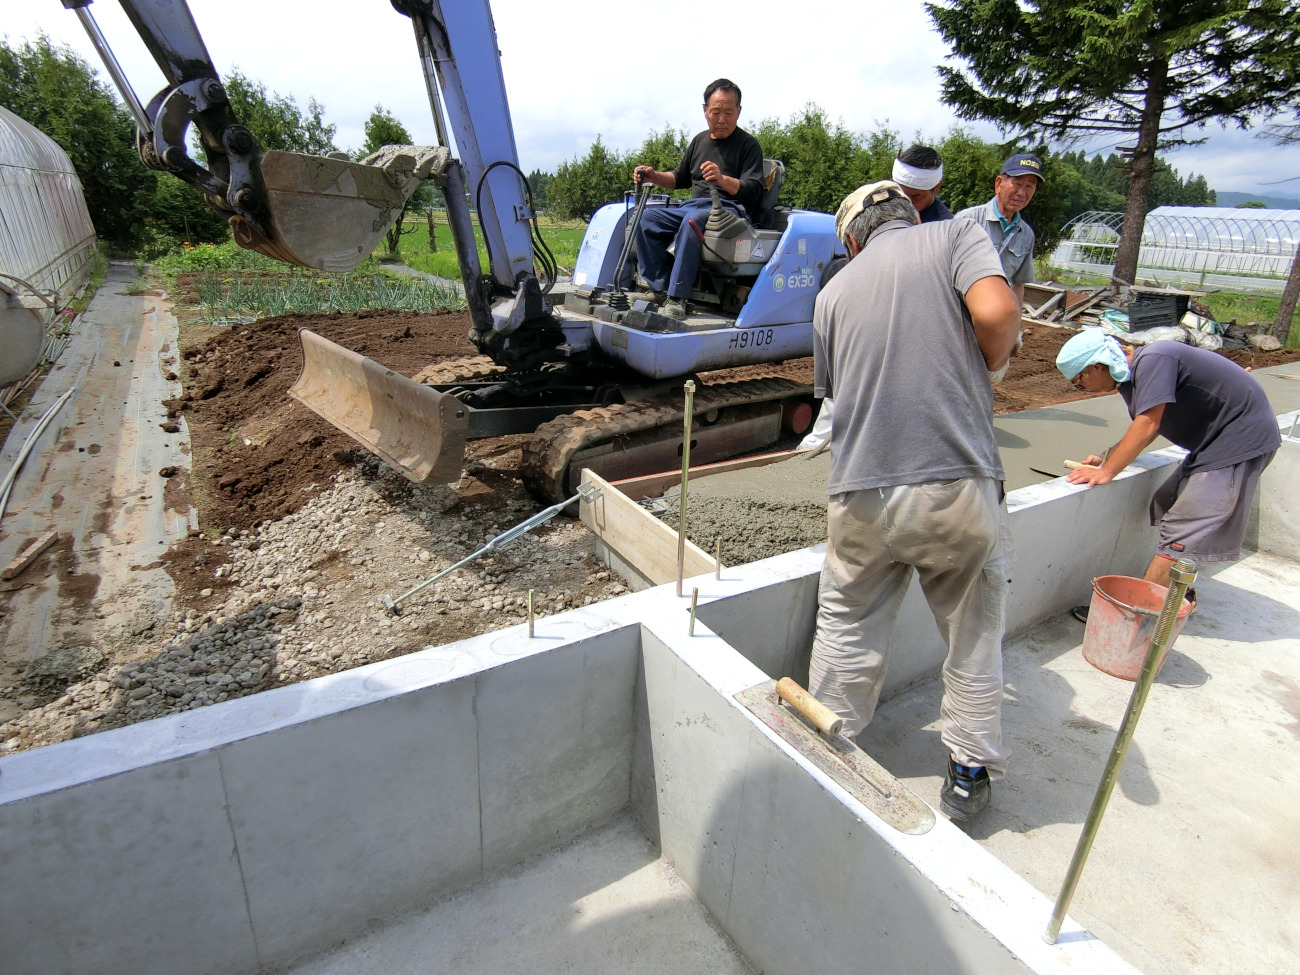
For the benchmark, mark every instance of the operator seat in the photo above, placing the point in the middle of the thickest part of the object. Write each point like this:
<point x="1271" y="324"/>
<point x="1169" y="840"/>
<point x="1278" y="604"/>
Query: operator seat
<point x="766" y="216"/>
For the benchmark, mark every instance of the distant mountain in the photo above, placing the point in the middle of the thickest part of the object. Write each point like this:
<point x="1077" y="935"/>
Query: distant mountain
<point x="1227" y="199"/>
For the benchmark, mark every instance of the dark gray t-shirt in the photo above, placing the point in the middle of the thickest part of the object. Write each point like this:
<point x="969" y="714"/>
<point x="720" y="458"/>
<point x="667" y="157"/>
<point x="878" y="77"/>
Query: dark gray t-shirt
<point x="894" y="345"/>
<point x="1213" y="407"/>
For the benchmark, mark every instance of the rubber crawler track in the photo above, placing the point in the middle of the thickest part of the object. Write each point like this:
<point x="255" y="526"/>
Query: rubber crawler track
<point x="546" y="456"/>
<point x="464" y="370"/>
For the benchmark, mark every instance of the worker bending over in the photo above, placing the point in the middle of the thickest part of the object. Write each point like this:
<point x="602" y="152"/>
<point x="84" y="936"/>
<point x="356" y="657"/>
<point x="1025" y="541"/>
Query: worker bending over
<point x="1204" y="403"/>
<point x="904" y="338"/>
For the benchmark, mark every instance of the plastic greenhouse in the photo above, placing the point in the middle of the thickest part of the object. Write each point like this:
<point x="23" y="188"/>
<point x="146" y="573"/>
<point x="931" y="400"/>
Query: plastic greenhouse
<point x="46" y="237"/>
<point x="46" y="241"/>
<point x="1213" y="247"/>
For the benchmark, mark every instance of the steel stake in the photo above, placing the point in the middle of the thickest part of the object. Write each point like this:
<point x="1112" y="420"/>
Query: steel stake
<point x="686" y="469"/>
<point x="1181" y="575"/>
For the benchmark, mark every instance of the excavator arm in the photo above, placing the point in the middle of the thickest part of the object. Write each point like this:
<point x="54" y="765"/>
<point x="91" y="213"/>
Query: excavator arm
<point x="322" y="212"/>
<point x="458" y="51"/>
<point x="329" y="212"/>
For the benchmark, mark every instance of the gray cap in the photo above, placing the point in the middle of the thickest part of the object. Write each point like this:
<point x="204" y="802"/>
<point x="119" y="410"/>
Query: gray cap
<point x="860" y="199"/>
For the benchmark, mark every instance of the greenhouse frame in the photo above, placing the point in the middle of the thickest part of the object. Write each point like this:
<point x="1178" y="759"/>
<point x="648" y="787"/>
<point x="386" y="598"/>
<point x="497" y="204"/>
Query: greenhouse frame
<point x="1205" y="247"/>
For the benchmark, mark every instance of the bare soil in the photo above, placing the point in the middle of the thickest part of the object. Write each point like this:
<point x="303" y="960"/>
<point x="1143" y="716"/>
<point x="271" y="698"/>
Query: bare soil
<point x="258" y="454"/>
<point x="259" y="457"/>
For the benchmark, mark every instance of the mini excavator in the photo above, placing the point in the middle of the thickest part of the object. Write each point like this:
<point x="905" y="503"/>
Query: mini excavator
<point x="591" y="368"/>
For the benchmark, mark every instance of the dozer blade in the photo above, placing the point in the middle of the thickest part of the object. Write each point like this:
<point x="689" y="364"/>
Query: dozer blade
<point x="417" y="430"/>
<point x="331" y="214"/>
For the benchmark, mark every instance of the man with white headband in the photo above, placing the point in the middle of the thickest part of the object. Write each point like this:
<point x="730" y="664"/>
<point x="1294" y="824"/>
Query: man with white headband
<point x="919" y="171"/>
<point x="1201" y="401"/>
<point x="903" y="338"/>
<point x="1002" y="220"/>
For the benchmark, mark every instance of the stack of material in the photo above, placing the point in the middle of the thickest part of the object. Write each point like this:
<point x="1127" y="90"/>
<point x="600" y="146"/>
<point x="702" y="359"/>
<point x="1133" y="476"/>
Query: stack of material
<point x="1053" y="304"/>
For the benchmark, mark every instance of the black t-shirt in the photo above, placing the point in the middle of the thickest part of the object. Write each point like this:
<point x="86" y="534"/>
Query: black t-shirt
<point x="935" y="211"/>
<point x="738" y="155"/>
<point x="1214" y="409"/>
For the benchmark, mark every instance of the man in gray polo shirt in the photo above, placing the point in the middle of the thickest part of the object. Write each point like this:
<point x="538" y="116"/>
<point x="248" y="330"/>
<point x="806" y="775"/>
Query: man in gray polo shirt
<point x="1005" y="224"/>
<point x="904" y="338"/>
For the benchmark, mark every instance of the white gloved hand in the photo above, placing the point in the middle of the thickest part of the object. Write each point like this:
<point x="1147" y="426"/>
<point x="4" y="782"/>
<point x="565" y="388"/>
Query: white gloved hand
<point x="1001" y="374"/>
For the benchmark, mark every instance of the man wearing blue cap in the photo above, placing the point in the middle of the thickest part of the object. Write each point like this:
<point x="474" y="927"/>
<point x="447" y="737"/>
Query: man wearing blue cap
<point x="1005" y="224"/>
<point x="1201" y="401"/>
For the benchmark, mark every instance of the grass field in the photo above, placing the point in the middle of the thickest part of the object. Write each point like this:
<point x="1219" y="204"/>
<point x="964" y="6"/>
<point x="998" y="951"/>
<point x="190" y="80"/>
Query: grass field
<point x="563" y="237"/>
<point x="228" y="293"/>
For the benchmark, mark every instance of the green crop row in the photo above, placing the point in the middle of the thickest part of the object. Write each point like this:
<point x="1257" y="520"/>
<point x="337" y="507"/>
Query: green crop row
<point x="223" y="297"/>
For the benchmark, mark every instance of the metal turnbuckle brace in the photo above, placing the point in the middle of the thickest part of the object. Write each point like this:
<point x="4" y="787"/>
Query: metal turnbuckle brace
<point x="586" y="492"/>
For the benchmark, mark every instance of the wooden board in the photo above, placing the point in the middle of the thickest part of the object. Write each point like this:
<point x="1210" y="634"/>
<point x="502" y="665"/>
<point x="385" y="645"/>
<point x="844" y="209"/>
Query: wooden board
<point x="28" y="555"/>
<point x="639" y="537"/>
<point x="654" y="485"/>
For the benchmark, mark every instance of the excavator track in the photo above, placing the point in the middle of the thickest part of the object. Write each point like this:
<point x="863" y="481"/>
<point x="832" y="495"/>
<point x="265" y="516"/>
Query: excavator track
<point x="546" y="457"/>
<point x="466" y="369"/>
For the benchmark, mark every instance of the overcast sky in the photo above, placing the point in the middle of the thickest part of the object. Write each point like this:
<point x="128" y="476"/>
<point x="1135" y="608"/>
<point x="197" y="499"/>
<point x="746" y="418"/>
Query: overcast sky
<point x="578" y="69"/>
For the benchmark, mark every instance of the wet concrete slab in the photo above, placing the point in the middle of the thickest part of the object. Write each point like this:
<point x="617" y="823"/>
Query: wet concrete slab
<point x="1193" y="869"/>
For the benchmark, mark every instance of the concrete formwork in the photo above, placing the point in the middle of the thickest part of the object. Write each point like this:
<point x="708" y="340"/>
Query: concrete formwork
<point x="1064" y="535"/>
<point x="251" y="833"/>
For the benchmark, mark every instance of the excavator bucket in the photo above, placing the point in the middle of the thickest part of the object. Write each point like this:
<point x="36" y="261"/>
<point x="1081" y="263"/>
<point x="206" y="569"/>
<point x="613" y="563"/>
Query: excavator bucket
<point x="331" y="214"/>
<point x="417" y="430"/>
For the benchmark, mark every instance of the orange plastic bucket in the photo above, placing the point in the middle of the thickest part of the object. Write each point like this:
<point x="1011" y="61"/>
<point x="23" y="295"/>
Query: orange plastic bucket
<point x="1122" y="621"/>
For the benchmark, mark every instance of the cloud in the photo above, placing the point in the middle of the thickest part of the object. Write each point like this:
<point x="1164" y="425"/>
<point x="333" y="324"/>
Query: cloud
<point x="584" y="68"/>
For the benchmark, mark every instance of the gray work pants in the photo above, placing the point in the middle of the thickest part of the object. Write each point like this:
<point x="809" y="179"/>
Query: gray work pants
<point x="956" y="535"/>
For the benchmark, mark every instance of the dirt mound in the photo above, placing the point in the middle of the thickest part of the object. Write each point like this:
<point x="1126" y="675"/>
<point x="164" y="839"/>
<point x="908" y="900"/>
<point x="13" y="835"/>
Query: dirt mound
<point x="257" y="453"/>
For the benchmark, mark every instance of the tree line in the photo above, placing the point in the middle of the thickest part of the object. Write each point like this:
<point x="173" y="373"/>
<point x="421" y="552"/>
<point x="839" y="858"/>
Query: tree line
<point x="824" y="161"/>
<point x="141" y="211"/>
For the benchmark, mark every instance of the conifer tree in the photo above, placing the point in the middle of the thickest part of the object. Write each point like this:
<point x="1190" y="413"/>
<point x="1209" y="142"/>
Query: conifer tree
<point x="1155" y="72"/>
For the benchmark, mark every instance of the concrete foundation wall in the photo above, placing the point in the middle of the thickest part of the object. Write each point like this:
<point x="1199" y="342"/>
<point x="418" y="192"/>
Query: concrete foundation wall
<point x="238" y="837"/>
<point x="244" y="835"/>
<point x="803" y="878"/>
<point x="1276" y="527"/>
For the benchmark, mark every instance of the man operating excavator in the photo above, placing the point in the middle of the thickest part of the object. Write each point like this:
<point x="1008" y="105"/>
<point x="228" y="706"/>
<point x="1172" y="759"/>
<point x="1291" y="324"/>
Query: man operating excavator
<point x="723" y="155"/>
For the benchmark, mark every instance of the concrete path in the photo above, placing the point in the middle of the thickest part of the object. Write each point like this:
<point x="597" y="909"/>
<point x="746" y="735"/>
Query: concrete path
<point x="1194" y="867"/>
<point x="411" y="272"/>
<point x="94" y="478"/>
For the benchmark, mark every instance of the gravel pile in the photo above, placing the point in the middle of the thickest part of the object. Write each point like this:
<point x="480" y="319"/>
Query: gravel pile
<point x="301" y="597"/>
